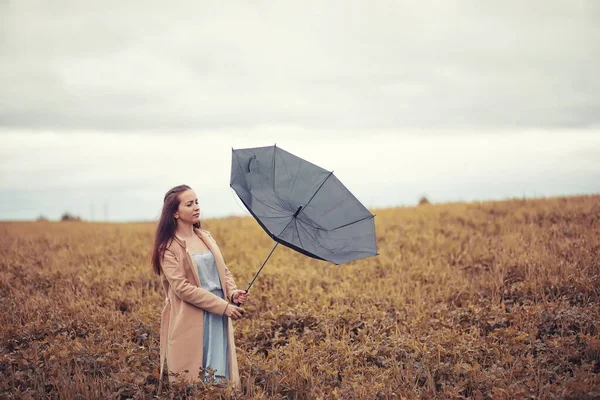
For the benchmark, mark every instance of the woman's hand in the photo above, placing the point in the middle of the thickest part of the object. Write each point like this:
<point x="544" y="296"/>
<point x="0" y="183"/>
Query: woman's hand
<point x="240" y="296"/>
<point x="234" y="312"/>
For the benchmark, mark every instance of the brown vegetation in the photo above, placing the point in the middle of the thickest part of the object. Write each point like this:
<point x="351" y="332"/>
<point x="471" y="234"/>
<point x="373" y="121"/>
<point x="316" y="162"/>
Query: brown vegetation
<point x="484" y="300"/>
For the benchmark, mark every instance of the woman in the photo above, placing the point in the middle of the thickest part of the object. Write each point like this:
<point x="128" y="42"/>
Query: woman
<point x="196" y="329"/>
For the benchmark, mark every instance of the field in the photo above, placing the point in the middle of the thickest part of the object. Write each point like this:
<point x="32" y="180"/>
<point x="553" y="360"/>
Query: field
<point x="480" y="300"/>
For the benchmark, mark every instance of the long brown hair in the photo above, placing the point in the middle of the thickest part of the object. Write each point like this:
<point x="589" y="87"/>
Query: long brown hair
<point x="167" y="225"/>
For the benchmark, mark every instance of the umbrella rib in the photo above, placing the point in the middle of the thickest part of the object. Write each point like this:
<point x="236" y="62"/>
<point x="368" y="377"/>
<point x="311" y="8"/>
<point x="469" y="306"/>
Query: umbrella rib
<point x="352" y="223"/>
<point x="313" y="226"/>
<point x="337" y="250"/>
<point x="264" y="204"/>
<point x="272" y="216"/>
<point x="298" y="233"/>
<point x="315" y="241"/>
<point x="317" y="191"/>
<point x="337" y="227"/>
<point x="341" y="226"/>
<point x="332" y="251"/>
<point x="302" y="209"/>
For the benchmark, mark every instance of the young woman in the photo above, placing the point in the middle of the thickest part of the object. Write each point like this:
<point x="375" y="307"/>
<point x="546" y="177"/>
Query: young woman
<point x="196" y="330"/>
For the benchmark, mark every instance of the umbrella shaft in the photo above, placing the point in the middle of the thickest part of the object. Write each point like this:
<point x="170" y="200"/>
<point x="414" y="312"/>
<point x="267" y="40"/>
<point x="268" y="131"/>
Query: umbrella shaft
<point x="261" y="267"/>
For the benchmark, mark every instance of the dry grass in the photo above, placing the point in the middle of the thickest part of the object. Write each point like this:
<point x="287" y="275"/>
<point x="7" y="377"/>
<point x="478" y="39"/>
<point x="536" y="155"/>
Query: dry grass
<point x="492" y="300"/>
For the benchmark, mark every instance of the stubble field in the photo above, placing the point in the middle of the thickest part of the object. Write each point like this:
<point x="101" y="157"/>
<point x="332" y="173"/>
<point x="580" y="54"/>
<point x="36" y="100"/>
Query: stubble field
<point x="494" y="300"/>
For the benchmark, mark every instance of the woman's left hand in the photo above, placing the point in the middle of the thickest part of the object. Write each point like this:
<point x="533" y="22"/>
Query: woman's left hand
<point x="240" y="296"/>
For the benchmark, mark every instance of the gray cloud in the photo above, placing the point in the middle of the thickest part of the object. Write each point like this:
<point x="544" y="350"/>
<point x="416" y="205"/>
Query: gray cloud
<point x="384" y="65"/>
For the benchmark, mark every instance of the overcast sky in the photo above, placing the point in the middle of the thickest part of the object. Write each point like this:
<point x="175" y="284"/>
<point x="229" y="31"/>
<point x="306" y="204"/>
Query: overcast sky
<point x="106" y="105"/>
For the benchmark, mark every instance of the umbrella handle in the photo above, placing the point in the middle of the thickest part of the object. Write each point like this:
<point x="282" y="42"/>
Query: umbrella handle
<point x="238" y="304"/>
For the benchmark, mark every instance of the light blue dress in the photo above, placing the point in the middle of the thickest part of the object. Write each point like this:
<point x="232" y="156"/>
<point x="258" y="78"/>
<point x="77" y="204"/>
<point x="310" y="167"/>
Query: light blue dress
<point x="215" y="326"/>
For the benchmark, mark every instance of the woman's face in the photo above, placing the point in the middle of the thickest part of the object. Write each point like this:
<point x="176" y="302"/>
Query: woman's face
<point x="189" y="210"/>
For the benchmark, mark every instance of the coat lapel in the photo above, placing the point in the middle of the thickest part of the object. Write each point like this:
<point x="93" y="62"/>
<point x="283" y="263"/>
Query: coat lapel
<point x="190" y="259"/>
<point x="209" y="241"/>
<point x="193" y="266"/>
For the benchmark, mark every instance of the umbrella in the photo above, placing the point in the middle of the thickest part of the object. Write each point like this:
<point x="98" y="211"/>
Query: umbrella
<point x="302" y="206"/>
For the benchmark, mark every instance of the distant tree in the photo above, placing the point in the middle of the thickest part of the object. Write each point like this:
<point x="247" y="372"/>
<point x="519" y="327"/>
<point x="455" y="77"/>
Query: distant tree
<point x="423" y="200"/>
<point x="69" y="217"/>
<point x="42" y="218"/>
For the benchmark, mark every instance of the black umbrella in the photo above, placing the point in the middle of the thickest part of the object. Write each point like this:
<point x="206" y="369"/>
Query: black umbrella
<point x="302" y="206"/>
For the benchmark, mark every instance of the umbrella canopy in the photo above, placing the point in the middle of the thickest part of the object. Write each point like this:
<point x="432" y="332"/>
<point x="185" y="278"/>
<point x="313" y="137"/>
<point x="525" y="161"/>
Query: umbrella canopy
<point x="302" y="205"/>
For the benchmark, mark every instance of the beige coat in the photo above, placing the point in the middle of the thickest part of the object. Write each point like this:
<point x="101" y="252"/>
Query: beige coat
<point x="182" y="319"/>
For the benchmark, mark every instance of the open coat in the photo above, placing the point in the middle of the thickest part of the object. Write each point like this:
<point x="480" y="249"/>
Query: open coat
<point x="182" y="318"/>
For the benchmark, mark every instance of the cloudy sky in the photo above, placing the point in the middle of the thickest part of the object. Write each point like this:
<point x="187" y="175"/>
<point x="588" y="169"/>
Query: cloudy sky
<point x="106" y="105"/>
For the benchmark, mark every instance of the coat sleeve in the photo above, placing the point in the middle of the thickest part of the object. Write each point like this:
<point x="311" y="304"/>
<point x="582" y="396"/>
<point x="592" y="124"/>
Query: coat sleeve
<point x="229" y="281"/>
<point x="188" y="292"/>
